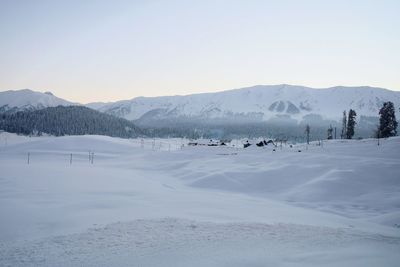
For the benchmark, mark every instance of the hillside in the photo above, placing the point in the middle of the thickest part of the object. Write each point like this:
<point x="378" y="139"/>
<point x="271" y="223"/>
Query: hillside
<point x="71" y="120"/>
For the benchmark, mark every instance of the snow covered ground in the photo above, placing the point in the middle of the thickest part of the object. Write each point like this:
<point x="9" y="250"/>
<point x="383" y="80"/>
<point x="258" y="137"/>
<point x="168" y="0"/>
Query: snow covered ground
<point x="152" y="203"/>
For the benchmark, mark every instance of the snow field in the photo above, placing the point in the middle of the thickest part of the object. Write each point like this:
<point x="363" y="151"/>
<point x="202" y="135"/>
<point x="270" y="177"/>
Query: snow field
<point x="331" y="205"/>
<point x="177" y="242"/>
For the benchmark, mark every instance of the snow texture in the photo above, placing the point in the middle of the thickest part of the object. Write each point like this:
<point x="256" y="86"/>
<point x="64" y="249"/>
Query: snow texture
<point x="153" y="203"/>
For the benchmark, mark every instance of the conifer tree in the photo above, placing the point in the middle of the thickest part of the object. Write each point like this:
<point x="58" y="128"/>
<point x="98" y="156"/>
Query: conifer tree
<point x="351" y="123"/>
<point x="387" y="120"/>
<point x="344" y="126"/>
<point x="308" y="133"/>
<point x="330" y="131"/>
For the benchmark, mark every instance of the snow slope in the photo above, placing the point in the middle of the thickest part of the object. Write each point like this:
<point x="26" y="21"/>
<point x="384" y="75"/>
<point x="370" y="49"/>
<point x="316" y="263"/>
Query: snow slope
<point x="257" y="102"/>
<point x="150" y="203"/>
<point x="27" y="99"/>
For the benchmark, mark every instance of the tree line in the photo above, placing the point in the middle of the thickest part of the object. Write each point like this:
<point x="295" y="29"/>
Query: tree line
<point x="387" y="124"/>
<point x="79" y="120"/>
<point x="70" y="120"/>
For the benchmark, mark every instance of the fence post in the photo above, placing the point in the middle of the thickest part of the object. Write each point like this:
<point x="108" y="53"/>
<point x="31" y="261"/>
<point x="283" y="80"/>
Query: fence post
<point x="70" y="159"/>
<point x="378" y="137"/>
<point x="28" y="157"/>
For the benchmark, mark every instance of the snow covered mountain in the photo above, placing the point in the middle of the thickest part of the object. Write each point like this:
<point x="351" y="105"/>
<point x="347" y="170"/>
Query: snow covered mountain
<point x="274" y="103"/>
<point x="26" y="99"/>
<point x="257" y="103"/>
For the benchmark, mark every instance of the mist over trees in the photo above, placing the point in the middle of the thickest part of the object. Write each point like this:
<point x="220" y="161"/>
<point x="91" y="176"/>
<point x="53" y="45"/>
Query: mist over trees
<point x="282" y="128"/>
<point x="294" y="132"/>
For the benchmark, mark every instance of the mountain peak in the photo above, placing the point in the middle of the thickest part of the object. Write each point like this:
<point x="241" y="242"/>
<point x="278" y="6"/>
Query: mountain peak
<point x="27" y="99"/>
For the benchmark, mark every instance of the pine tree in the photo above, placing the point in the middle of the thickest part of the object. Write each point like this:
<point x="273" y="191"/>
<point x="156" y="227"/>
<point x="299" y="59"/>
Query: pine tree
<point x="308" y="133"/>
<point x="344" y="126"/>
<point x="351" y="123"/>
<point x="387" y="121"/>
<point x="330" y="131"/>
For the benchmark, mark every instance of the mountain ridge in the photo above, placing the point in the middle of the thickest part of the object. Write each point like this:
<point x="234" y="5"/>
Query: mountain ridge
<point x="263" y="101"/>
<point x="27" y="99"/>
<point x="260" y="102"/>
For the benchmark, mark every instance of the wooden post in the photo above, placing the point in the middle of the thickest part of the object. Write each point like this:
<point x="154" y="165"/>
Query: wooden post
<point x="70" y="159"/>
<point x="28" y="157"/>
<point x="378" y="137"/>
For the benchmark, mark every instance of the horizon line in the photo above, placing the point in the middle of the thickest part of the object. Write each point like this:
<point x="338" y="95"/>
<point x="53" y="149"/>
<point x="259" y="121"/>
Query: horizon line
<point x="201" y="93"/>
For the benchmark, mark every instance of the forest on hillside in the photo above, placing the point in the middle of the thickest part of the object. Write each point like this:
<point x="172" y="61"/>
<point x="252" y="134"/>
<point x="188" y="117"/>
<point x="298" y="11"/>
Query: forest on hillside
<point x="70" y="120"/>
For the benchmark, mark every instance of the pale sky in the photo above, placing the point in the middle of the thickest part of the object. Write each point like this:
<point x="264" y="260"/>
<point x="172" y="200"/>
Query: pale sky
<point x="110" y="50"/>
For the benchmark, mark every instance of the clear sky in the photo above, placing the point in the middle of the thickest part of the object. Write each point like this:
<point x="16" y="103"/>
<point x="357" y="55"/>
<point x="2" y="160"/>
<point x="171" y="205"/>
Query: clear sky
<point x="86" y="50"/>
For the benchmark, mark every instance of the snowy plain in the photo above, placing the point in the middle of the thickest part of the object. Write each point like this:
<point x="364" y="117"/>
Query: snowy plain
<point x="156" y="203"/>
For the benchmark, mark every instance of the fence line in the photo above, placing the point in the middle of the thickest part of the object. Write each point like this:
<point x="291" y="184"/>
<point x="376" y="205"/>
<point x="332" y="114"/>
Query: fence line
<point x="32" y="156"/>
